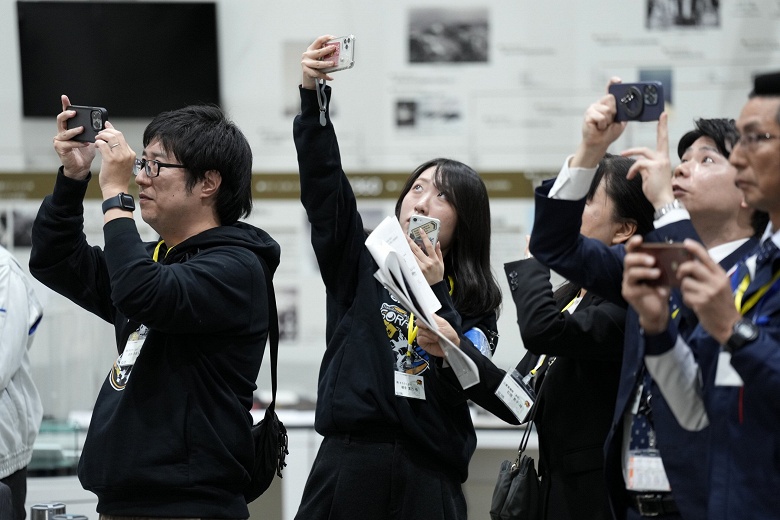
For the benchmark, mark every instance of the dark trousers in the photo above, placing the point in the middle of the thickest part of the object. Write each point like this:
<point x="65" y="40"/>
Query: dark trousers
<point x="576" y="496"/>
<point x="358" y="477"/>
<point x="17" y="482"/>
<point x="633" y="514"/>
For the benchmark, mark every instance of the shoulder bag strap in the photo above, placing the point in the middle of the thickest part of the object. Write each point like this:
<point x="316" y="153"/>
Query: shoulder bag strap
<point x="532" y="416"/>
<point x="273" y="329"/>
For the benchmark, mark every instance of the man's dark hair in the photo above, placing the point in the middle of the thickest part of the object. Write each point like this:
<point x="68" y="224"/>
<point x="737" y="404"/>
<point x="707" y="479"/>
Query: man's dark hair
<point x="722" y="131"/>
<point x="767" y="85"/>
<point x="203" y="139"/>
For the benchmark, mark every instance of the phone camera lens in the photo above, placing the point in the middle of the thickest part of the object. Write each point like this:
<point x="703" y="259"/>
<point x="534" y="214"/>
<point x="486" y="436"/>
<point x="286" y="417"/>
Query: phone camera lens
<point x="651" y="95"/>
<point x="633" y="102"/>
<point x="96" y="123"/>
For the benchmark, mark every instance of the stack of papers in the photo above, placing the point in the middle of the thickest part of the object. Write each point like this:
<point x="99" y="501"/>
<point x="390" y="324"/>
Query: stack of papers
<point x="400" y="274"/>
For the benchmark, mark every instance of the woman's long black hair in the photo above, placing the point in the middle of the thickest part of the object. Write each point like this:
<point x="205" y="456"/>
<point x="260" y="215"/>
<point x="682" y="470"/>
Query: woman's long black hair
<point x="475" y="290"/>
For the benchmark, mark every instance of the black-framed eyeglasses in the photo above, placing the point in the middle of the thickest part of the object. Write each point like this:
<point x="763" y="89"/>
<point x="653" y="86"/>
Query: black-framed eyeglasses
<point x="152" y="168"/>
<point x="751" y="140"/>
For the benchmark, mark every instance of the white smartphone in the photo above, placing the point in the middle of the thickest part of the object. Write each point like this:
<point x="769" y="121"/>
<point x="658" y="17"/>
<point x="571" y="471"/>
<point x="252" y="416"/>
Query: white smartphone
<point x="428" y="224"/>
<point x="343" y="53"/>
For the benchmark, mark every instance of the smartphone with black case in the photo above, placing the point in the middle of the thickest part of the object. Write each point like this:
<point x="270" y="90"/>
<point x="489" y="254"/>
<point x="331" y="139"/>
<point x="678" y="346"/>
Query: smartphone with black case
<point x="343" y="54"/>
<point x="643" y="101"/>
<point x="93" y="119"/>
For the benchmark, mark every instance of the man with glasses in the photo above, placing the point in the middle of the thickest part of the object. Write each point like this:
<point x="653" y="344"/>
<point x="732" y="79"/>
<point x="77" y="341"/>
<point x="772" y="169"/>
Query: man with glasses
<point x="170" y="434"/>
<point x="726" y="374"/>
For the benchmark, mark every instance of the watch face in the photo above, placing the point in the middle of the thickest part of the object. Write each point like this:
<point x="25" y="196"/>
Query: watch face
<point x="744" y="332"/>
<point x="746" y="329"/>
<point x="126" y="201"/>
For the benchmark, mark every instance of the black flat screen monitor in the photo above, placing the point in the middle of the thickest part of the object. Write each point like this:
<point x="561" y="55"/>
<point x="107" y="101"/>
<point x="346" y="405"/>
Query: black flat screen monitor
<point x="136" y="59"/>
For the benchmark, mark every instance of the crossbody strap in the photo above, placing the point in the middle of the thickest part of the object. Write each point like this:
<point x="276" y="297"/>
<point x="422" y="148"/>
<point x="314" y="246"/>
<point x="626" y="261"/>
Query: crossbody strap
<point x="527" y="432"/>
<point x="273" y="329"/>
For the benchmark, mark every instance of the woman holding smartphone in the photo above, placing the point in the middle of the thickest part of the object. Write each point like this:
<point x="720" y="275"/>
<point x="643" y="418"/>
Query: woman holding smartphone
<point x="387" y="453"/>
<point x="574" y="340"/>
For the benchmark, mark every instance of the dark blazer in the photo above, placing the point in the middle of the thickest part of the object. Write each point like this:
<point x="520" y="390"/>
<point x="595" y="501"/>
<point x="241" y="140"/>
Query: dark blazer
<point x="557" y="243"/>
<point x="575" y="405"/>
<point x="575" y="408"/>
<point x="745" y="420"/>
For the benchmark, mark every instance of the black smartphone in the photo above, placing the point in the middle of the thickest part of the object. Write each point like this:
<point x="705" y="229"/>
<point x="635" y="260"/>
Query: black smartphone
<point x="668" y="258"/>
<point x="643" y="101"/>
<point x="93" y="119"/>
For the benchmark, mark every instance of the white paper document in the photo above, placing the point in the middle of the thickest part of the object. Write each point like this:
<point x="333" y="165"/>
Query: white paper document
<point x="400" y="274"/>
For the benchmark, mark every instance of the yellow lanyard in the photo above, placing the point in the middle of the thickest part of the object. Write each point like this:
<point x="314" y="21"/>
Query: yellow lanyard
<point x="571" y="302"/>
<point x="156" y="254"/>
<point x="535" y="369"/>
<point x="751" y="302"/>
<point x="539" y="364"/>
<point x="411" y="332"/>
<point x="411" y="329"/>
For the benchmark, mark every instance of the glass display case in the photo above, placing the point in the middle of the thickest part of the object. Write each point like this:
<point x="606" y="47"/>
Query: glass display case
<point x="57" y="448"/>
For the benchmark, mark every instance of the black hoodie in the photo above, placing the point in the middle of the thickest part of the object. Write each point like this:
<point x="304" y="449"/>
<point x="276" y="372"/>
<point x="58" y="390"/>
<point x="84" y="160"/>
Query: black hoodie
<point x="170" y="434"/>
<point x="356" y="387"/>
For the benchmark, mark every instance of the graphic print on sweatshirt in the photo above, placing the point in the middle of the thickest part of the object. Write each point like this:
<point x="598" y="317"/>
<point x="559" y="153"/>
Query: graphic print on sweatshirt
<point x="120" y="372"/>
<point x="409" y="359"/>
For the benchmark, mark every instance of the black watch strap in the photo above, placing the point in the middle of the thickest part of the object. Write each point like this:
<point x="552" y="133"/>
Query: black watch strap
<point x="123" y="201"/>
<point x="743" y="332"/>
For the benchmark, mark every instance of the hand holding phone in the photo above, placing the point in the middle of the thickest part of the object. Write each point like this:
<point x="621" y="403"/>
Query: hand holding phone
<point x="93" y="119"/>
<point x="668" y="258"/>
<point x="343" y="54"/>
<point x="643" y="101"/>
<point x="428" y="224"/>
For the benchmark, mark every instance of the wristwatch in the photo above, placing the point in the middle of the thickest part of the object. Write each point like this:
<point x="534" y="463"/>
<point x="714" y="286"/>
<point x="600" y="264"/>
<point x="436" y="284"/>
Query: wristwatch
<point x="743" y="332"/>
<point x="123" y="201"/>
<point x="666" y="208"/>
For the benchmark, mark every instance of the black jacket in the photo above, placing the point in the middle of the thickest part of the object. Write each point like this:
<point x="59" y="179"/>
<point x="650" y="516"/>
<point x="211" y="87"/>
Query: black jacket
<point x="356" y="384"/>
<point x="575" y="407"/>
<point x="576" y="402"/>
<point x="173" y="436"/>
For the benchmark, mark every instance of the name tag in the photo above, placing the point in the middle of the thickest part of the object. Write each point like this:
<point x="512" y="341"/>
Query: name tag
<point x="646" y="471"/>
<point x="516" y="395"/>
<point x="409" y="385"/>
<point x="131" y="351"/>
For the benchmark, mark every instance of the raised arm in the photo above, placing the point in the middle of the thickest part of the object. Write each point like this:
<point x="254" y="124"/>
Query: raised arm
<point x="337" y="229"/>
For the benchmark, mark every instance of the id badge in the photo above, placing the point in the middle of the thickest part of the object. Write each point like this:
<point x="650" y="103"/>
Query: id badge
<point x="131" y="351"/>
<point x="516" y="395"/>
<point x="646" y="471"/>
<point x="726" y="374"/>
<point x="410" y="386"/>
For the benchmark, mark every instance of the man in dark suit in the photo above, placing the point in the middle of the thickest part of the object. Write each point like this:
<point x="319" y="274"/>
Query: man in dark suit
<point x="701" y="203"/>
<point x="727" y="371"/>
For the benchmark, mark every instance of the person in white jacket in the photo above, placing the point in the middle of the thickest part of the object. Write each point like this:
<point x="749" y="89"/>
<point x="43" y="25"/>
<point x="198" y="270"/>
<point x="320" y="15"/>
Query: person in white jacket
<point x="20" y="405"/>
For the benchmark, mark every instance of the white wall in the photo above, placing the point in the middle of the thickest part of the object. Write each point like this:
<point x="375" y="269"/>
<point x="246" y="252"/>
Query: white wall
<point x="520" y="111"/>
